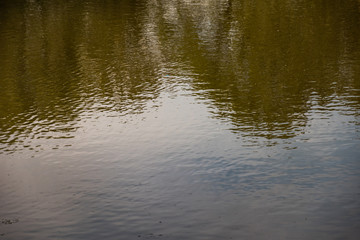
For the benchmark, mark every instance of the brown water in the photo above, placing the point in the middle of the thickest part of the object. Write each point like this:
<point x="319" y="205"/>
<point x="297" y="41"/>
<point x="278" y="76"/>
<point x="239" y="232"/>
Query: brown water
<point x="179" y="119"/>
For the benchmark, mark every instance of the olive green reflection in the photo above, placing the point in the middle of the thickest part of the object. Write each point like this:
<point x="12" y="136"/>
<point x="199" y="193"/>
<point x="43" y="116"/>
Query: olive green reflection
<point x="259" y="64"/>
<point x="267" y="61"/>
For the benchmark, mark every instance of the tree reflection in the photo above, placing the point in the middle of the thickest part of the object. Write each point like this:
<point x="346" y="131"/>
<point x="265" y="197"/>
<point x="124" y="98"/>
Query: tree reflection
<point x="263" y="63"/>
<point x="259" y="63"/>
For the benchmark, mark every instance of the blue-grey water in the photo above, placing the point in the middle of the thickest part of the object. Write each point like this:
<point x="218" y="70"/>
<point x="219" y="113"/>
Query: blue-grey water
<point x="179" y="119"/>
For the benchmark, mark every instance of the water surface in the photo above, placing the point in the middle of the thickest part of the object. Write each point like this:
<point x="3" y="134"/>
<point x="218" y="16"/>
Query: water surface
<point x="178" y="119"/>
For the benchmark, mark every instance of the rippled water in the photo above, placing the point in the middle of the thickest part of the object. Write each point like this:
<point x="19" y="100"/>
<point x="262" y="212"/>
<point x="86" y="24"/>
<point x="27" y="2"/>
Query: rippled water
<point x="179" y="119"/>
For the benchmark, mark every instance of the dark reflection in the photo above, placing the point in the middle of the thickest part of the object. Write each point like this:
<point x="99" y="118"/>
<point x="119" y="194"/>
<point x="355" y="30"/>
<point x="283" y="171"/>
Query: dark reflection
<point x="63" y="60"/>
<point x="263" y="71"/>
<point x="259" y="64"/>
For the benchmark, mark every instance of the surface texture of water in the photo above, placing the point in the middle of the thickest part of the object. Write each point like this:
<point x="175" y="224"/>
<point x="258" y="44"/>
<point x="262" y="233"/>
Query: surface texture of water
<point x="179" y="119"/>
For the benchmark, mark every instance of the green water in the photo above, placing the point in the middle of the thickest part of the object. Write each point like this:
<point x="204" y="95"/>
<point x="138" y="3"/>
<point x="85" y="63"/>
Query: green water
<point x="179" y="119"/>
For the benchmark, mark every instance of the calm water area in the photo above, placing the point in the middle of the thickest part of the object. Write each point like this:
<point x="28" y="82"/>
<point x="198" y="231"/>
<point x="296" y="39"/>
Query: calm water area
<point x="179" y="119"/>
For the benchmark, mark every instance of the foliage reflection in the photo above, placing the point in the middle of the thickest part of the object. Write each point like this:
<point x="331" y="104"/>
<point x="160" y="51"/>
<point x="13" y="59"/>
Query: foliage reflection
<point x="258" y="64"/>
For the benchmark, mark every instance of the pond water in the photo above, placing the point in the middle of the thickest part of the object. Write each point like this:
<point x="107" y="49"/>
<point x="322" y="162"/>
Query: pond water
<point x="179" y="119"/>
